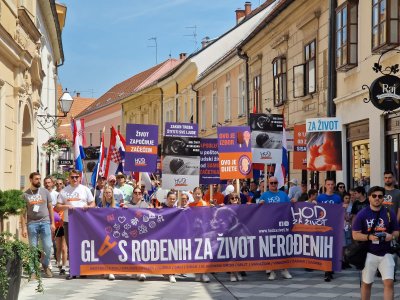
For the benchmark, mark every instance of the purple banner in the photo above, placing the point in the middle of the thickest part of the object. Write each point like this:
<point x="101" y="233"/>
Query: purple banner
<point x="181" y="129"/>
<point x="206" y="239"/>
<point x="141" y="148"/>
<point x="209" y="161"/>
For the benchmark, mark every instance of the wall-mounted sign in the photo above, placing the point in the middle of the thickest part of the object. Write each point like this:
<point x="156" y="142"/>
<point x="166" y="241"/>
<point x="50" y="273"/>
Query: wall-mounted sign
<point x="65" y="162"/>
<point x="385" y="93"/>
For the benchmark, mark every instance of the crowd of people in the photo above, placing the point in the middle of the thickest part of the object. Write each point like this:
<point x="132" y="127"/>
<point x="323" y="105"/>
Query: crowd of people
<point x="46" y="215"/>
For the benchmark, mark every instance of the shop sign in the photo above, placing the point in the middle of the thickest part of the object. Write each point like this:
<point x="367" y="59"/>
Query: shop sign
<point x="65" y="162"/>
<point x="385" y="93"/>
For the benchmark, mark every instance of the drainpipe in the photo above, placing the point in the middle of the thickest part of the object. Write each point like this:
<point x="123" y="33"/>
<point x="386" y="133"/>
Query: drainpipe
<point x="331" y="108"/>
<point x="197" y="105"/>
<point x="246" y="59"/>
<point x="162" y="111"/>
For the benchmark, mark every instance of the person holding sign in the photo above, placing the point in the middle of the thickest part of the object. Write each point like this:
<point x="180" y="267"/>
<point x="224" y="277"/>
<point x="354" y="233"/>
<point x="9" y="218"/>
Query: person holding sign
<point x="198" y="198"/>
<point x="275" y="196"/>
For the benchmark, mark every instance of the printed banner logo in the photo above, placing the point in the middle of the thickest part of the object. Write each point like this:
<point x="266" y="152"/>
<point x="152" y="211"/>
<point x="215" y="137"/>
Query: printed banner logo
<point x="310" y="219"/>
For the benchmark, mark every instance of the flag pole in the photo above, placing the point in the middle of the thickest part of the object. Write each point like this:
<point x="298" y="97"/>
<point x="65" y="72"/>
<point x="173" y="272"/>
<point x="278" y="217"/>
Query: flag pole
<point x="265" y="177"/>
<point x="211" y="194"/>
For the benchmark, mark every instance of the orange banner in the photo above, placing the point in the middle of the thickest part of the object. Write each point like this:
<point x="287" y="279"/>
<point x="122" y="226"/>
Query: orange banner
<point x="229" y="266"/>
<point x="300" y="147"/>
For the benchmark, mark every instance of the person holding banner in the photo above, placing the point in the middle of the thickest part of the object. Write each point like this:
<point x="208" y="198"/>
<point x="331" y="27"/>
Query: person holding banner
<point x="275" y="196"/>
<point x="198" y="198"/>
<point x="137" y="200"/>
<point x="118" y="195"/>
<point x="72" y="196"/>
<point x="125" y="188"/>
<point x="184" y="200"/>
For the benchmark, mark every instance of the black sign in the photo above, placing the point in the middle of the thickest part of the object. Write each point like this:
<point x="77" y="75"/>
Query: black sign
<point x="385" y="93"/>
<point x="65" y="162"/>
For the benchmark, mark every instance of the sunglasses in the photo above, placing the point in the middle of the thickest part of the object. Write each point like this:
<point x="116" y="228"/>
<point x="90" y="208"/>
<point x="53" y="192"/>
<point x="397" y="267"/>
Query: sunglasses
<point x="341" y="186"/>
<point x="74" y="177"/>
<point x="234" y="198"/>
<point x="137" y="193"/>
<point x="375" y="195"/>
<point x="273" y="182"/>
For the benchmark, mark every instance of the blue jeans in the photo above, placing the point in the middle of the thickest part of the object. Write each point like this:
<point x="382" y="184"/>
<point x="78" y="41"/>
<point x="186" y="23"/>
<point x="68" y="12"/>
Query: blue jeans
<point x="43" y="230"/>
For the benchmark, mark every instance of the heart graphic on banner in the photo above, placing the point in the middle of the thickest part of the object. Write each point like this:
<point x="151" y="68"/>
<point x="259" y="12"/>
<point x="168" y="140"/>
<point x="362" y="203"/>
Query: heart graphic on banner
<point x="121" y="219"/>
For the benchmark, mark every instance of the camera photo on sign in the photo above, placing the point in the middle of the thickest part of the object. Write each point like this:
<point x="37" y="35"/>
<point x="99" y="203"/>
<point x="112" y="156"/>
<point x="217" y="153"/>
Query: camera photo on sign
<point x="178" y="165"/>
<point x="181" y="146"/>
<point x="266" y="140"/>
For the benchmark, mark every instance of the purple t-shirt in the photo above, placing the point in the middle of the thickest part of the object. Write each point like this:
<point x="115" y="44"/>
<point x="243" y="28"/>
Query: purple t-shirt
<point x="364" y="220"/>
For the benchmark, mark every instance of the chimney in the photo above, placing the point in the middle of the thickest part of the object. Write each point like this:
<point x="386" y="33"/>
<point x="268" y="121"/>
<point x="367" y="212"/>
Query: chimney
<point x="240" y="14"/>
<point x="247" y="8"/>
<point x="204" y="42"/>
<point x="78" y="94"/>
<point x="182" y="56"/>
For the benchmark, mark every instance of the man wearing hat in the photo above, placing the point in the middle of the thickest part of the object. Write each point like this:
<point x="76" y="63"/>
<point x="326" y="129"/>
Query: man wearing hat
<point x="125" y="188"/>
<point x="294" y="190"/>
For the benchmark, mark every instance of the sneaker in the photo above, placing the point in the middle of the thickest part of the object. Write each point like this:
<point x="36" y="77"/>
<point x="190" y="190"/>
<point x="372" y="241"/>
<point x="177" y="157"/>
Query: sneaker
<point x="111" y="277"/>
<point x="62" y="271"/>
<point x="285" y="274"/>
<point x="48" y="273"/>
<point x="141" y="277"/>
<point x="197" y="277"/>
<point x="242" y="273"/>
<point x="267" y="272"/>
<point x="328" y="276"/>
<point x="172" y="279"/>
<point x="233" y="277"/>
<point x="239" y="276"/>
<point x="272" y="275"/>
<point x="69" y="277"/>
<point x="205" y="278"/>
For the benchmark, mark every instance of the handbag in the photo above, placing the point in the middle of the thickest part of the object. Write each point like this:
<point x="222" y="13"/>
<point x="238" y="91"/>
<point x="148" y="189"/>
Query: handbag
<point x="356" y="253"/>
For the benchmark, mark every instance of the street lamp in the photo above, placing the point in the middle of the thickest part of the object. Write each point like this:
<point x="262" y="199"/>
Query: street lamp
<point x="51" y="120"/>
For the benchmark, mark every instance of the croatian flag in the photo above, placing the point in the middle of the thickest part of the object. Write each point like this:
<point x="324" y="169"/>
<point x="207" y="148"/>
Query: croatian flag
<point x="78" y="134"/>
<point x="282" y="170"/>
<point x="116" y="154"/>
<point x="100" y="167"/>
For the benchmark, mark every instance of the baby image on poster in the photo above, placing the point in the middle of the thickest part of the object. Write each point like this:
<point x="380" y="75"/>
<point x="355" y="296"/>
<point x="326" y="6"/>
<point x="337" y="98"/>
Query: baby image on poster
<point x="324" y="151"/>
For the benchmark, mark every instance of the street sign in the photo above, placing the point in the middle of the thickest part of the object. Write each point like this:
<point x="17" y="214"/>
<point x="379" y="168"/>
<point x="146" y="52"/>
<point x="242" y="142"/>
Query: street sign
<point x="65" y="162"/>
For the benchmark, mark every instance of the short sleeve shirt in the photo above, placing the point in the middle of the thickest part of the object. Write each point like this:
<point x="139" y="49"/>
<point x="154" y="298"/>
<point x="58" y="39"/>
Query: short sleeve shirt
<point x="274" y="197"/>
<point x="364" y="223"/>
<point x="37" y="205"/>
<point x="118" y="195"/>
<point x="331" y="199"/>
<point x="358" y="206"/>
<point x="78" y="196"/>
<point x="127" y="191"/>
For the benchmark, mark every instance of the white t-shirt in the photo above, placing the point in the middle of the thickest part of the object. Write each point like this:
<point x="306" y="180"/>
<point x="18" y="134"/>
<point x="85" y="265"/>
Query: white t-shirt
<point x="78" y="196"/>
<point x="118" y="195"/>
<point x="54" y="196"/>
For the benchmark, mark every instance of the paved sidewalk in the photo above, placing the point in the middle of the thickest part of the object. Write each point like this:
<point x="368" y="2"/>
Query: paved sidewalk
<point x="304" y="285"/>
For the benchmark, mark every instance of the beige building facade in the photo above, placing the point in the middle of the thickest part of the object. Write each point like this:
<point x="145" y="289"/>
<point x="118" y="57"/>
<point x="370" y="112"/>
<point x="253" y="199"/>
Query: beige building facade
<point x="370" y="136"/>
<point x="288" y="65"/>
<point x="21" y="80"/>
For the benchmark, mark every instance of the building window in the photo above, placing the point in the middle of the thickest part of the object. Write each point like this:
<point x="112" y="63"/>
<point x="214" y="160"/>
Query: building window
<point x="280" y="80"/>
<point x="304" y="75"/>
<point x="385" y="25"/>
<point x="214" y="112"/>
<point x="227" y="103"/>
<point x="310" y="63"/>
<point x="242" y="98"/>
<point x="91" y="139"/>
<point x="257" y="93"/>
<point x="203" y="114"/>
<point x="101" y="131"/>
<point x="346" y="36"/>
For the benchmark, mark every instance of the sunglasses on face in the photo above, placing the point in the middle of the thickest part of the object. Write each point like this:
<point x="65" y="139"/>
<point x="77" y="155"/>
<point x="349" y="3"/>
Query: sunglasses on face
<point x="273" y="182"/>
<point x="341" y="186"/>
<point x="375" y="195"/>
<point x="74" y="177"/>
<point x="234" y="198"/>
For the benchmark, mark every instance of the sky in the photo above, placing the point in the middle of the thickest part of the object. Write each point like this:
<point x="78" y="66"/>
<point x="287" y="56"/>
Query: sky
<point x="108" y="41"/>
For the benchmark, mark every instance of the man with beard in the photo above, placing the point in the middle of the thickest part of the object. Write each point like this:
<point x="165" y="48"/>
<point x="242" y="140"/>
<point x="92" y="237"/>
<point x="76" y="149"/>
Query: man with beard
<point x="38" y="220"/>
<point x="392" y="195"/>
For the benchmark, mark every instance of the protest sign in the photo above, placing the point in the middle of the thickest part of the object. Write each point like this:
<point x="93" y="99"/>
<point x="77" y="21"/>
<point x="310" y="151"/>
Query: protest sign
<point x="207" y="239"/>
<point x="300" y="147"/>
<point x="324" y="144"/>
<point x="209" y="161"/>
<point x="266" y="138"/>
<point x="141" y="148"/>
<point x="181" y="129"/>
<point x="181" y="163"/>
<point x="234" y="152"/>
